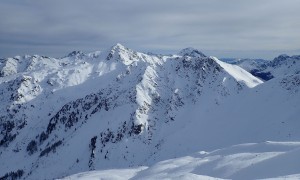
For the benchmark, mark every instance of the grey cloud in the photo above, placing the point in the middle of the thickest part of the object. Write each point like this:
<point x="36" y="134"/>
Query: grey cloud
<point x="222" y="28"/>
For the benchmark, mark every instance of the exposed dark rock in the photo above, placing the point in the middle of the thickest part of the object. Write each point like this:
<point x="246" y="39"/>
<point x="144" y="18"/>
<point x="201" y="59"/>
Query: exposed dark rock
<point x="13" y="175"/>
<point x="51" y="148"/>
<point x="32" y="147"/>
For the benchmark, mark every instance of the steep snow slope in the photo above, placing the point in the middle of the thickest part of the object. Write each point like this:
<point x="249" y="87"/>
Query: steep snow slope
<point x="262" y="115"/>
<point x="267" y="112"/>
<point x="239" y="74"/>
<point x="119" y="108"/>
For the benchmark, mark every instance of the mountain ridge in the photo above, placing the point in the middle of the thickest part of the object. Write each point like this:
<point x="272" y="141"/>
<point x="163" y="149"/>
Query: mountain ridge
<point x="126" y="109"/>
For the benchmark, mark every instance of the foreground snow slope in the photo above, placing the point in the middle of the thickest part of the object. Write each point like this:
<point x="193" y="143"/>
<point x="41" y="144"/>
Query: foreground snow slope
<point x="119" y="109"/>
<point x="244" y="161"/>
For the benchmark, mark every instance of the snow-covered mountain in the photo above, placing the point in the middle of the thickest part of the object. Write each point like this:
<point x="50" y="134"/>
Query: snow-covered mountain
<point x="119" y="108"/>
<point x="266" y="70"/>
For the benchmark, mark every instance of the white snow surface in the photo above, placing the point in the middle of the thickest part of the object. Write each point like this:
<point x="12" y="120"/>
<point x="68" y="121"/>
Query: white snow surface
<point x="265" y="160"/>
<point x="124" y="114"/>
<point x="239" y="74"/>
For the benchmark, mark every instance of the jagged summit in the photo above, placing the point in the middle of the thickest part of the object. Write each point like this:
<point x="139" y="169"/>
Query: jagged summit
<point x="120" y="53"/>
<point x="284" y="58"/>
<point x="118" y="46"/>
<point x="191" y="52"/>
<point x="75" y="53"/>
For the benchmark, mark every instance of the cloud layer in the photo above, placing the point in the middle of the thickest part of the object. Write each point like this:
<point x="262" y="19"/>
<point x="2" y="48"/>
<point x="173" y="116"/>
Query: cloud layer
<point x="232" y="28"/>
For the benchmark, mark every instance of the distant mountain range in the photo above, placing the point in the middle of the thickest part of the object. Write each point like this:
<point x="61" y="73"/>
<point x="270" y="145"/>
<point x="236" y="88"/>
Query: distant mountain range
<point x="265" y="69"/>
<point x="150" y="116"/>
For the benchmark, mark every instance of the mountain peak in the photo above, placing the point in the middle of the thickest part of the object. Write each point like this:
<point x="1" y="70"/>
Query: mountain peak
<point x="118" y="46"/>
<point x="191" y="52"/>
<point x="75" y="53"/>
<point x="281" y="57"/>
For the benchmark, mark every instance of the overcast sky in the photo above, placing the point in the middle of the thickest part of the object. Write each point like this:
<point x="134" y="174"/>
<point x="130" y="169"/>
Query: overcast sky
<point x="223" y="28"/>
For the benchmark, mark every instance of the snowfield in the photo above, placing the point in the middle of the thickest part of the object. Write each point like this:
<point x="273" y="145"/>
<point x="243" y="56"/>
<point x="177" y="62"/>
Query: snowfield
<point x="245" y="161"/>
<point x="122" y="114"/>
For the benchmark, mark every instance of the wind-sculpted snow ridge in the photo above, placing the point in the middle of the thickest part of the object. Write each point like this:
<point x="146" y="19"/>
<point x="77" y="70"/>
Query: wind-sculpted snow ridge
<point x="244" y="161"/>
<point x="119" y="108"/>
